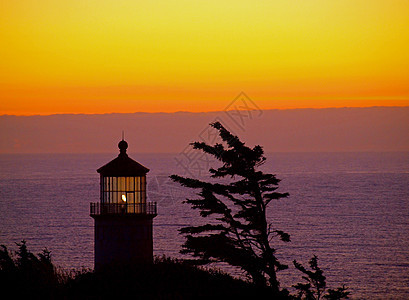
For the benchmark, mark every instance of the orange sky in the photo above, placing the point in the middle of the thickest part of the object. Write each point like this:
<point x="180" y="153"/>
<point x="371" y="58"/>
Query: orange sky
<point x="104" y="56"/>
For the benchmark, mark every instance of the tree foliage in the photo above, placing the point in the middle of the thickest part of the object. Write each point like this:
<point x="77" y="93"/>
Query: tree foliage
<point x="28" y="273"/>
<point x="315" y="286"/>
<point x="241" y="235"/>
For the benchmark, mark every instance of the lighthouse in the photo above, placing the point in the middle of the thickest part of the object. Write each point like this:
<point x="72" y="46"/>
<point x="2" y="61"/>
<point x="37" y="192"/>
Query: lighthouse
<point x="123" y="217"/>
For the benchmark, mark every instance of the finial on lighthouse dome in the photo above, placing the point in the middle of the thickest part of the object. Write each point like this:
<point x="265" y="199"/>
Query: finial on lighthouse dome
<point x="122" y="145"/>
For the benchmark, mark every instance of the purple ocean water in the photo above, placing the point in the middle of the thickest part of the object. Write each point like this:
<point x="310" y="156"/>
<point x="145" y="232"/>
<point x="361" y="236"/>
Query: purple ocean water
<point x="349" y="209"/>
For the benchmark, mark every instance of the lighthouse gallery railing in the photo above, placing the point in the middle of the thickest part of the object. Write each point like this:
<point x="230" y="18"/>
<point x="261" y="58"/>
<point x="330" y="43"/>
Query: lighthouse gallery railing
<point x="123" y="208"/>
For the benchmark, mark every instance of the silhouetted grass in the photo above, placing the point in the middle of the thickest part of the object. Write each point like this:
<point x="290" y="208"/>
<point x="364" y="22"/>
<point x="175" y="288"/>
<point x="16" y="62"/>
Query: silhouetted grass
<point x="29" y="276"/>
<point x="165" y="279"/>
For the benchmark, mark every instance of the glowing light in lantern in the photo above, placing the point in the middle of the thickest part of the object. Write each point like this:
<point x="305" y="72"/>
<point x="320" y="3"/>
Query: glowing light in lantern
<point x="124" y="198"/>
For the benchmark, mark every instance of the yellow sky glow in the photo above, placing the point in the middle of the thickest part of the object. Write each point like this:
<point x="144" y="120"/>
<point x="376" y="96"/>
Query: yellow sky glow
<point x="89" y="56"/>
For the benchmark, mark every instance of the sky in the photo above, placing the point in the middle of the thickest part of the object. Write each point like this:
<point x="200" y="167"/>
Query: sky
<point x="103" y="56"/>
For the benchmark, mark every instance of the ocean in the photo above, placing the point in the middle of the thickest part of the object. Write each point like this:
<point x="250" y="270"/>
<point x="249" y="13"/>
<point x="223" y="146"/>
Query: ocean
<point x="349" y="209"/>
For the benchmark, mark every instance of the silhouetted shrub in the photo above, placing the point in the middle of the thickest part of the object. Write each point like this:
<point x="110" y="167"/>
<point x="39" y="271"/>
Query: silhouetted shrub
<point x="26" y="274"/>
<point x="315" y="285"/>
<point x="165" y="279"/>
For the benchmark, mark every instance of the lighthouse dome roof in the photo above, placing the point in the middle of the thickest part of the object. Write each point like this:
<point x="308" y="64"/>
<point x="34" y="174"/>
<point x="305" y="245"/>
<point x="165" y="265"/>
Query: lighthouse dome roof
<point x="123" y="165"/>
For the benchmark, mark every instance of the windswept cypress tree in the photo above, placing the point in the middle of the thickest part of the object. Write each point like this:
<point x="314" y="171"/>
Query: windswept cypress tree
<point x="241" y="235"/>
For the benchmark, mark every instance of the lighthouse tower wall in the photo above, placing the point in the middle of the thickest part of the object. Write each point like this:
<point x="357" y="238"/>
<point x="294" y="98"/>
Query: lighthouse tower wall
<point x="122" y="240"/>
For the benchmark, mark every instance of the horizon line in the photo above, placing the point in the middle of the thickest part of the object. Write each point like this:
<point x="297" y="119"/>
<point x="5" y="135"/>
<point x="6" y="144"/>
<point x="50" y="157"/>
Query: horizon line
<point x="177" y="153"/>
<point x="202" y="112"/>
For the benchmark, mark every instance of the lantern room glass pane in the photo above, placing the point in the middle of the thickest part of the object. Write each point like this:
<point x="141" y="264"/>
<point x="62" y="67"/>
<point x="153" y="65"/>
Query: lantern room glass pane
<point x="137" y="197"/>
<point x="131" y="197"/>
<point x="114" y="184"/>
<point x="124" y="198"/>
<point x="143" y="196"/>
<point x="121" y="183"/>
<point x="143" y="183"/>
<point x="130" y="183"/>
<point x="130" y="202"/>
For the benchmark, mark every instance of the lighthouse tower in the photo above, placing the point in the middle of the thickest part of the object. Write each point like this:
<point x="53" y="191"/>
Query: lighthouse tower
<point x="123" y="218"/>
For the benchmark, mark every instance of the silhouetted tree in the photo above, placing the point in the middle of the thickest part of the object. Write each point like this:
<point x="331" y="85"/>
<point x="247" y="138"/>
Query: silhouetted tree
<point x="241" y="236"/>
<point x="315" y="284"/>
<point x="30" y="275"/>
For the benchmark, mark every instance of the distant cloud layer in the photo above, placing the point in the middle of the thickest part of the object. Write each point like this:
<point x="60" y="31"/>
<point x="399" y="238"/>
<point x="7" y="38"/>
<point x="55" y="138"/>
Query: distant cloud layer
<point x="340" y="129"/>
